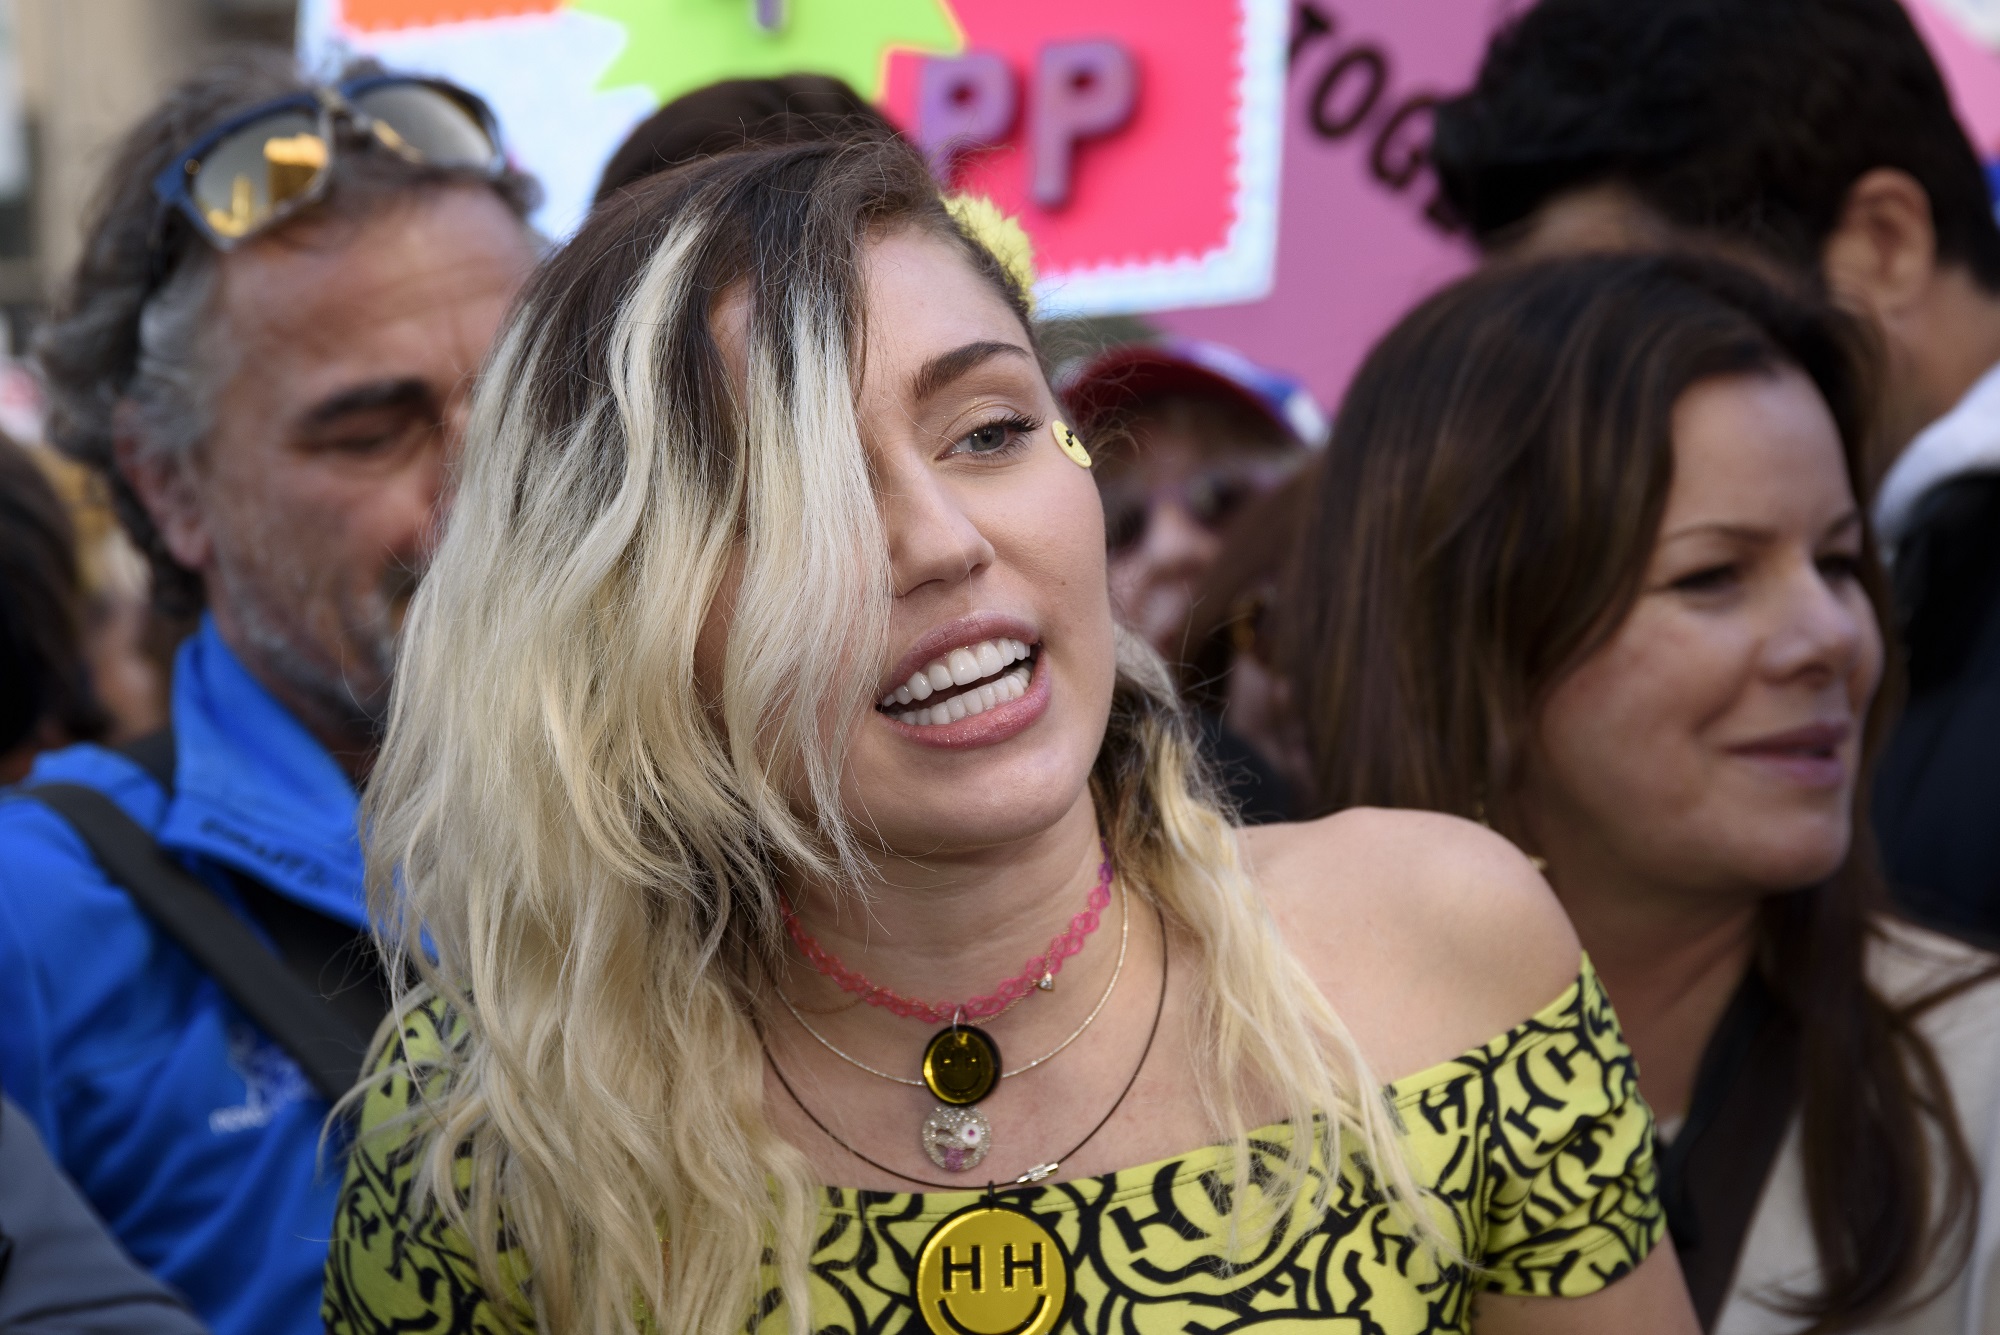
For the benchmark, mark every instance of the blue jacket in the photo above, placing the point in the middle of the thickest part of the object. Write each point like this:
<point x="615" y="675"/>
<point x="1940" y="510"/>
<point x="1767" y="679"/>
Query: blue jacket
<point x="194" y="1136"/>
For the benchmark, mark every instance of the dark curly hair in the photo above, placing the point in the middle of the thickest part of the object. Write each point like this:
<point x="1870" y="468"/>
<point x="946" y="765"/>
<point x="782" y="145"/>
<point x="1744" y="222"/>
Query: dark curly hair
<point x="1753" y="117"/>
<point x="124" y="332"/>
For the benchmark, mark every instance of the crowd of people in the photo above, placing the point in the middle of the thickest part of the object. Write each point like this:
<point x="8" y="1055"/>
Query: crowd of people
<point x="1511" y="854"/>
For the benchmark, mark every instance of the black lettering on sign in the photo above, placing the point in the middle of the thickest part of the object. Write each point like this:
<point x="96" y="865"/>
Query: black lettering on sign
<point x="1353" y="92"/>
<point x="1365" y="63"/>
<point x="1399" y="156"/>
<point x="1309" y="24"/>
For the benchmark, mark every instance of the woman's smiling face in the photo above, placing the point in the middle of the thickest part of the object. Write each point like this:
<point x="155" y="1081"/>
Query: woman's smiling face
<point x="996" y="680"/>
<point x="1713" y="743"/>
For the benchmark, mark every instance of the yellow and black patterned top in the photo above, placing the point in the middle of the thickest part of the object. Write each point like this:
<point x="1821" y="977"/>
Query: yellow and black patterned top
<point x="1535" y="1144"/>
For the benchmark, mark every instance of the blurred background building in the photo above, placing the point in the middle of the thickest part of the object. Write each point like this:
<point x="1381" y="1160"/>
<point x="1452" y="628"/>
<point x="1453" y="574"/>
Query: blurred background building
<point x="74" y="75"/>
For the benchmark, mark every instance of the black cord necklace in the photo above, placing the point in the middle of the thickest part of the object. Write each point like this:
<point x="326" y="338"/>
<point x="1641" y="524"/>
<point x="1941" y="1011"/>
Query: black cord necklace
<point x="1041" y="1171"/>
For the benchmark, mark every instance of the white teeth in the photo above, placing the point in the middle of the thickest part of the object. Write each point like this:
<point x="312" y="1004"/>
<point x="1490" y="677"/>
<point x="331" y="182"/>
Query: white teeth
<point x="982" y="666"/>
<point x="988" y="695"/>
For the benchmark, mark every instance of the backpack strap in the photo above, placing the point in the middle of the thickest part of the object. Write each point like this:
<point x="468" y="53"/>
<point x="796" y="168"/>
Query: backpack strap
<point x="328" y="1044"/>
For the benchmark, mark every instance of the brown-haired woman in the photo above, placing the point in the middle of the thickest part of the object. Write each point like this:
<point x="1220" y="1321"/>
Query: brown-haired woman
<point x="1588" y="560"/>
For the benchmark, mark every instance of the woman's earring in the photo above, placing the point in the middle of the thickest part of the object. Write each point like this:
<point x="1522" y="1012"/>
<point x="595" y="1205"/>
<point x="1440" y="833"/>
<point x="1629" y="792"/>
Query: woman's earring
<point x="1072" y="446"/>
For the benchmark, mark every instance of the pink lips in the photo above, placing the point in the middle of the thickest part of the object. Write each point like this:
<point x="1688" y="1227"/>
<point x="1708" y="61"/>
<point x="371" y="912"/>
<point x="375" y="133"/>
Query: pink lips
<point x="1810" y="757"/>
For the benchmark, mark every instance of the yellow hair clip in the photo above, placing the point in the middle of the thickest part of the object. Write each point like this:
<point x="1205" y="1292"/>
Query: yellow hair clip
<point x="1003" y="236"/>
<point x="1072" y="446"/>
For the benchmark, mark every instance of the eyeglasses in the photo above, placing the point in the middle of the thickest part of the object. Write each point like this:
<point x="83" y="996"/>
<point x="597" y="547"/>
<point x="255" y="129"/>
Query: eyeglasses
<point x="255" y="170"/>
<point x="1210" y="498"/>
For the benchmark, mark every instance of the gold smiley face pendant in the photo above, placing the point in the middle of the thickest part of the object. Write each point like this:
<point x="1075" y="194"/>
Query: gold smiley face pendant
<point x="991" y="1270"/>
<point x="961" y="1065"/>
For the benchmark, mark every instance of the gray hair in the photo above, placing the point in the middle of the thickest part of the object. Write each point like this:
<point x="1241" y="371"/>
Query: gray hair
<point x="172" y="394"/>
<point x="121" y="336"/>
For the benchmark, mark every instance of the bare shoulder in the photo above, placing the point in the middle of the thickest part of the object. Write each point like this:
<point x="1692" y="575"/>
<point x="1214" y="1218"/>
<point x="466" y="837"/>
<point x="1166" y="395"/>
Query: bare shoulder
<point x="1428" y="934"/>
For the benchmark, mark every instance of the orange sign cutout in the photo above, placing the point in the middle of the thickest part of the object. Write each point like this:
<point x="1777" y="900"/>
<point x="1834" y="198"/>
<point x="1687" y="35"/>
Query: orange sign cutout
<point x="386" y="15"/>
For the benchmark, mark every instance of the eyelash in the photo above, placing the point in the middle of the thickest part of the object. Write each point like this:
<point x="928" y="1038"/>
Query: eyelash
<point x="1839" y="567"/>
<point x="1705" y="580"/>
<point x="1018" y="430"/>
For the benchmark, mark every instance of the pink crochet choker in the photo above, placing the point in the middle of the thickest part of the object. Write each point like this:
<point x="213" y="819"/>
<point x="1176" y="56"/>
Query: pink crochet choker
<point x="1039" y="972"/>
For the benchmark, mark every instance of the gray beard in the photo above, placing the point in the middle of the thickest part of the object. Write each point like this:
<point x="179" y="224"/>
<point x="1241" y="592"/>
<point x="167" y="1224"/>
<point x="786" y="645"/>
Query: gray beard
<point x="370" y="635"/>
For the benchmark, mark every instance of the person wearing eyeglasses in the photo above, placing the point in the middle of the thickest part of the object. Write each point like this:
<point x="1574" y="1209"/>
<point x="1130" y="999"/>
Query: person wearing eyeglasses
<point x="1197" y="432"/>
<point x="267" y="348"/>
<point x="1197" y="441"/>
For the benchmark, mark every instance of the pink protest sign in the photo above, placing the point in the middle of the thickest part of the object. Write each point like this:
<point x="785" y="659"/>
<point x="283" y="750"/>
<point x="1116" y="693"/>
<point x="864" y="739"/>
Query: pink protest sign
<point x="1137" y="143"/>
<point x="1356" y="245"/>
<point x="1141" y="155"/>
<point x="1356" y="248"/>
<point x="1970" y="66"/>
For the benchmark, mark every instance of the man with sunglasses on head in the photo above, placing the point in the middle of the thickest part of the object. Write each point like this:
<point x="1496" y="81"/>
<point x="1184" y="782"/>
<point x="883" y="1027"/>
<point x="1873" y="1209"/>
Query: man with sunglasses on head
<point x="267" y="347"/>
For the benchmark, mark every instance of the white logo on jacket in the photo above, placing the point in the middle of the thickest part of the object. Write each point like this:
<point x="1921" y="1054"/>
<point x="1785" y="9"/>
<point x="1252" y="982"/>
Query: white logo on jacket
<point x="271" y="1080"/>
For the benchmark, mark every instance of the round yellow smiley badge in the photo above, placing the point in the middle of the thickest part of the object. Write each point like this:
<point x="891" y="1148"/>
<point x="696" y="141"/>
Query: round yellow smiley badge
<point x="1072" y="445"/>
<point x="989" y="1270"/>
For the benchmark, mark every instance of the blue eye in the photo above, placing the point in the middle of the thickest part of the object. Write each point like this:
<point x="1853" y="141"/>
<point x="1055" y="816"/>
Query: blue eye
<point x="995" y="437"/>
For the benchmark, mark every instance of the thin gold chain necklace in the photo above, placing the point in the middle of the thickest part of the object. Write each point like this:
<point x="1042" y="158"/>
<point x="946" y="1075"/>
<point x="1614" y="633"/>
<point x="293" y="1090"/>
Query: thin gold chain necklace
<point x="1124" y="940"/>
<point x="961" y="1066"/>
<point x="1040" y="1172"/>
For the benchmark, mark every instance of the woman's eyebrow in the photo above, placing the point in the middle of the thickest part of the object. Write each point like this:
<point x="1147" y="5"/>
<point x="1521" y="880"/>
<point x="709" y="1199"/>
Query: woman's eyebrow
<point x="946" y="367"/>
<point x="1718" y="529"/>
<point x="1755" y="533"/>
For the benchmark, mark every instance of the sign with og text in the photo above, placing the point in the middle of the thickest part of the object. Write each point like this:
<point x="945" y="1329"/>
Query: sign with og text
<point x="1359" y="241"/>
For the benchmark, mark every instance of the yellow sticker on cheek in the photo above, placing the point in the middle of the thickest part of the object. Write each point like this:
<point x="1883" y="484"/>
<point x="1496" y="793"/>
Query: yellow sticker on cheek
<point x="1071" y="445"/>
<point x="990" y="1270"/>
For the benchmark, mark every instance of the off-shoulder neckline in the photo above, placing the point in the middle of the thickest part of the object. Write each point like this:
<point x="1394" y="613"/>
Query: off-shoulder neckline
<point x="1141" y="1179"/>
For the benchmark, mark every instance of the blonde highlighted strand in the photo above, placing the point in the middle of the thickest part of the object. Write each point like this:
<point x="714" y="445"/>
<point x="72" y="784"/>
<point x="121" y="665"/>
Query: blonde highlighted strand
<point x="591" y="842"/>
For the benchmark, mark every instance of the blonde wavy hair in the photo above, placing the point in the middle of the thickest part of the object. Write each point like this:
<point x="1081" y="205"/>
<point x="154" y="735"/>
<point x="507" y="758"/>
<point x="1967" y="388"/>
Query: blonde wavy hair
<point x="592" y="846"/>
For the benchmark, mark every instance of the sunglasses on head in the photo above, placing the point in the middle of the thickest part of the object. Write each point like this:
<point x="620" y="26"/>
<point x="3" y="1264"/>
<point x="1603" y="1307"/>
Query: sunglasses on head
<point x="259" y="168"/>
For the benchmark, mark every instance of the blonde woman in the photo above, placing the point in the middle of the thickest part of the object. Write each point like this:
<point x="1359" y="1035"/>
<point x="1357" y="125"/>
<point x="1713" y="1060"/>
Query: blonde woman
<point x="762" y="713"/>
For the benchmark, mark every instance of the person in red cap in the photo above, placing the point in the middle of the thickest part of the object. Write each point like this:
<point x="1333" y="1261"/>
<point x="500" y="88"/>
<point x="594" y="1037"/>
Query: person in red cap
<point x="1195" y="432"/>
